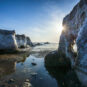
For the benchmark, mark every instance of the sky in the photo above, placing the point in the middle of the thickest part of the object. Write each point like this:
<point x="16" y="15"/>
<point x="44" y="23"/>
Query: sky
<point x="41" y="20"/>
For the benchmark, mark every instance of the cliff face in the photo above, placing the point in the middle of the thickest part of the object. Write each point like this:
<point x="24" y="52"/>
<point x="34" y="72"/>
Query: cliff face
<point x="23" y="41"/>
<point x="7" y="40"/>
<point x="29" y="42"/>
<point x="10" y="42"/>
<point x="75" y="32"/>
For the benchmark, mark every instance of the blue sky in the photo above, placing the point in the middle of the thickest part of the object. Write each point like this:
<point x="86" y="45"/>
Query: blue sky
<point x="41" y="20"/>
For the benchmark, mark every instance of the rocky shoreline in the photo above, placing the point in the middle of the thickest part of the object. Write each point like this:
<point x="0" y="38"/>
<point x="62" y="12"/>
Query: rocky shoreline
<point x="10" y="42"/>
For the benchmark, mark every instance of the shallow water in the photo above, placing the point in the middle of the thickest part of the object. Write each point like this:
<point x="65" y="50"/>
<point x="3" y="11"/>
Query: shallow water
<point x="23" y="70"/>
<point x="14" y="70"/>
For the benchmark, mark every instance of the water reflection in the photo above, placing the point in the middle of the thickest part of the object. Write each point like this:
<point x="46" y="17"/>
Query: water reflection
<point x="19" y="67"/>
<point x="7" y="67"/>
<point x="64" y="78"/>
<point x="8" y="63"/>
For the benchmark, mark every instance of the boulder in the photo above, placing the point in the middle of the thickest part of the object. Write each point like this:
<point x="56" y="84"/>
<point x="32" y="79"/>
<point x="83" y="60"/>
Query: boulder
<point x="23" y="41"/>
<point x="7" y="40"/>
<point x="53" y="59"/>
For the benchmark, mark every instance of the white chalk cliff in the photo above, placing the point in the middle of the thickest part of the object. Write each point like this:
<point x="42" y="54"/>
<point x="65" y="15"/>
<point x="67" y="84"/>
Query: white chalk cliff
<point x="10" y="42"/>
<point x="75" y="32"/>
<point x="7" y="40"/>
<point x="23" y="41"/>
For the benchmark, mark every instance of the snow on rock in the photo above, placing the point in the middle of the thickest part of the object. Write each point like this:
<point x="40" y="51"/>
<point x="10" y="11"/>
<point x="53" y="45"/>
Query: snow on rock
<point x="10" y="42"/>
<point x="23" y="41"/>
<point x="29" y="42"/>
<point x="7" y="40"/>
<point x="75" y="32"/>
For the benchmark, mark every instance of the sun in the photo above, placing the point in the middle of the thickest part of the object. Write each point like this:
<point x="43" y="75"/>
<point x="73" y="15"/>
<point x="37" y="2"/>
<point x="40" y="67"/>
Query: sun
<point x="60" y="28"/>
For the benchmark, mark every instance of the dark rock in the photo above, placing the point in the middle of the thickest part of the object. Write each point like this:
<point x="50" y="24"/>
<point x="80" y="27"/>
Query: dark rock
<point x="64" y="78"/>
<point x="38" y="44"/>
<point x="53" y="59"/>
<point x="46" y="43"/>
<point x="22" y="46"/>
<point x="11" y="81"/>
<point x="34" y="64"/>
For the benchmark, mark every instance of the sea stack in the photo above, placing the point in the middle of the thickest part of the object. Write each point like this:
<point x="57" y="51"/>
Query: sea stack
<point x="7" y="40"/>
<point x="11" y="43"/>
<point x="23" y="41"/>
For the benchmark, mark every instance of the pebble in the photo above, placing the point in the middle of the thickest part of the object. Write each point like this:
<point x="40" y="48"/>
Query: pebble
<point x="27" y="80"/>
<point x="33" y="74"/>
<point x="34" y="64"/>
<point x="27" y="84"/>
<point x="11" y="81"/>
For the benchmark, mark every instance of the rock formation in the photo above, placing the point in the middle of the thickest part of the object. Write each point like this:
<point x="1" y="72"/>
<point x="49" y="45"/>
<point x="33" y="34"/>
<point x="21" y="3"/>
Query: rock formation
<point x="75" y="32"/>
<point x="10" y="42"/>
<point x="75" y="29"/>
<point x="7" y="40"/>
<point x="23" y="41"/>
<point x="29" y="42"/>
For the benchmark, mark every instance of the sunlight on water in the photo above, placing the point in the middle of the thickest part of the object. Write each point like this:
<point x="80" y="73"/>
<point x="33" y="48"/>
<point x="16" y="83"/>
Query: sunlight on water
<point x="52" y="46"/>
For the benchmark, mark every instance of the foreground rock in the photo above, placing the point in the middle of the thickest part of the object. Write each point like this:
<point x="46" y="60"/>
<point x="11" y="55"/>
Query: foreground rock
<point x="34" y="64"/>
<point x="7" y="40"/>
<point x="53" y="59"/>
<point x="75" y="25"/>
<point x="75" y="32"/>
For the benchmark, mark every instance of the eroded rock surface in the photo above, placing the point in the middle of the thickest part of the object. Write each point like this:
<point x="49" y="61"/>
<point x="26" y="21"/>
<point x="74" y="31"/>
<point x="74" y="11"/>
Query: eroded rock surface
<point x="75" y="32"/>
<point x="23" y="41"/>
<point x="10" y="42"/>
<point x="7" y="40"/>
<point x="75" y="29"/>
